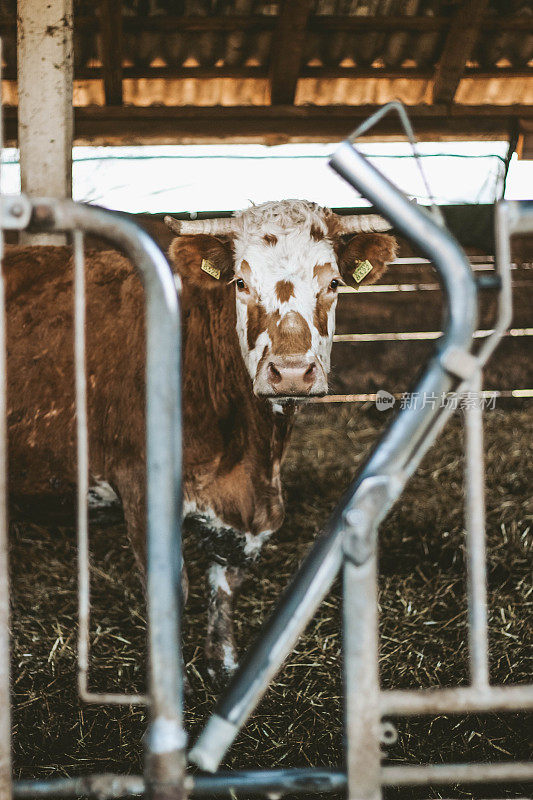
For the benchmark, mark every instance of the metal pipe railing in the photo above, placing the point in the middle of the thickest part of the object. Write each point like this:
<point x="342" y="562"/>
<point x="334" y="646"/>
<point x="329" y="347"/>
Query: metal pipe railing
<point x="476" y="556"/>
<point x="349" y="540"/>
<point x="393" y="459"/>
<point x="165" y="740"/>
<point x="275" y="781"/>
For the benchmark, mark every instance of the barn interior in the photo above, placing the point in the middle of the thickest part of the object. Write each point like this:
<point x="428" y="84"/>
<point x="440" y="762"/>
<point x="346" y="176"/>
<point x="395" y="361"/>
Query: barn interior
<point x="161" y="72"/>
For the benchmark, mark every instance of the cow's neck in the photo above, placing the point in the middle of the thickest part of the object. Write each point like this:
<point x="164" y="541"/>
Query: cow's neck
<point x="231" y="436"/>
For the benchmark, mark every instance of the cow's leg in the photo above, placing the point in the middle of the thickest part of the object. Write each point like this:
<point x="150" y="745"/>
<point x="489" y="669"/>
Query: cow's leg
<point x="220" y="648"/>
<point x="130" y="485"/>
<point x="231" y="553"/>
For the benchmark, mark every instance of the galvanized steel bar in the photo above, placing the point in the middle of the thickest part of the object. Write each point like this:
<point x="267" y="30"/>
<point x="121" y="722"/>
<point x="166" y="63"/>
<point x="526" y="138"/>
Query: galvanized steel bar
<point x="5" y="648"/>
<point x="165" y="740"/>
<point x="459" y="700"/>
<point x="5" y="644"/>
<point x="82" y="438"/>
<point x="305" y="781"/>
<point x="361" y="676"/>
<point x="400" y="448"/>
<point x="476" y="568"/>
<point x="96" y="787"/>
<point x="275" y="781"/>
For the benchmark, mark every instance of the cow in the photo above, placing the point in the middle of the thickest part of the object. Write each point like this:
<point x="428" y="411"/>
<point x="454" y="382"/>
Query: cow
<point x="258" y="298"/>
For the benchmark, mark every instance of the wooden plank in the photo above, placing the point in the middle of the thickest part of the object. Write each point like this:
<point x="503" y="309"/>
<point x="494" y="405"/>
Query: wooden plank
<point x="287" y="50"/>
<point x="458" y="47"/>
<point x="319" y="23"/>
<point x="110" y="13"/>
<point x="277" y="124"/>
<point x="45" y="122"/>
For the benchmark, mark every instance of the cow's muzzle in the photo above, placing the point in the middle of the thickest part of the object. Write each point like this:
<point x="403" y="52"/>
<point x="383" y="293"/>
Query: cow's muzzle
<point x="291" y="376"/>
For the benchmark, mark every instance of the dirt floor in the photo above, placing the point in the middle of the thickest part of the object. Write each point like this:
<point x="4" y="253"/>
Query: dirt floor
<point x="299" y="723"/>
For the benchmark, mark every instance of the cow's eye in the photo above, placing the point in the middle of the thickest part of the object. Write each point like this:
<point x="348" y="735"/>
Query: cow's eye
<point x="240" y="284"/>
<point x="334" y="285"/>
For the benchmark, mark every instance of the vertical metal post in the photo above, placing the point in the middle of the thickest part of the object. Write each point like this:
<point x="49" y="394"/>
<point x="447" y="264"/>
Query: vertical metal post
<point x="5" y="693"/>
<point x="45" y="114"/>
<point x="165" y="754"/>
<point x="83" y="463"/>
<point x="166" y="739"/>
<point x="361" y="676"/>
<point x="475" y="537"/>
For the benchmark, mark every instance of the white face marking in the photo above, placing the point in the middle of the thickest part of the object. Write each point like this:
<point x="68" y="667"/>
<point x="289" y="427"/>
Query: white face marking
<point x="262" y="265"/>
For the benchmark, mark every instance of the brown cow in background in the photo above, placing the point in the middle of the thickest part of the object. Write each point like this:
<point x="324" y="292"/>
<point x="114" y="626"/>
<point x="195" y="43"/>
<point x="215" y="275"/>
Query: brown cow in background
<point x="258" y="307"/>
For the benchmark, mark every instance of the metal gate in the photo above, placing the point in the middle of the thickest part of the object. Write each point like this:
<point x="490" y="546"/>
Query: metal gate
<point x="348" y="542"/>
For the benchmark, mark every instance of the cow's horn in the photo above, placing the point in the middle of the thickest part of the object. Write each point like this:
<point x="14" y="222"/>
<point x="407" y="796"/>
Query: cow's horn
<point x="220" y="226"/>
<point x="361" y="223"/>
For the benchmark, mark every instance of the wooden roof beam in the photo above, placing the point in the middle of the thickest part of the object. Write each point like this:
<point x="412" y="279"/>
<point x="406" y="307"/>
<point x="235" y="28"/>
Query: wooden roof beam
<point x="288" y="50"/>
<point x="278" y="124"/>
<point x="458" y="47"/>
<point x="110" y="13"/>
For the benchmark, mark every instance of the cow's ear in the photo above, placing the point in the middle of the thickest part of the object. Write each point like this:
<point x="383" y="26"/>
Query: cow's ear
<point x="365" y="257"/>
<point x="202" y="261"/>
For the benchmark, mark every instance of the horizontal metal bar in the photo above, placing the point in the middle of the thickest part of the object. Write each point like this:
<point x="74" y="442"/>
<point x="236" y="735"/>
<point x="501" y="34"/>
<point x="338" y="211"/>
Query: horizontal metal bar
<point x="276" y="781"/>
<point x="430" y="774"/>
<point x="459" y="700"/>
<point x="92" y="786"/>
<point x="112" y="698"/>
<point x="487" y="394"/>
<point x="408" y="336"/>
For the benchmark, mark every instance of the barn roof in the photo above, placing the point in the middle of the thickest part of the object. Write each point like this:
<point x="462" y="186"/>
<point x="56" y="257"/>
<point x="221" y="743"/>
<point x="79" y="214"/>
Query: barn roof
<point x="267" y="70"/>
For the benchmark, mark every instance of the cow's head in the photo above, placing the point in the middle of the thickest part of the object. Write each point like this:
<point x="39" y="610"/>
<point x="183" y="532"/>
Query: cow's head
<point x="286" y="261"/>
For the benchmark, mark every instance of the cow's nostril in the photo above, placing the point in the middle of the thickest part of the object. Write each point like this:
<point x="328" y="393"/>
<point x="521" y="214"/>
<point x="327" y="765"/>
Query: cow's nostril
<point x="274" y="374"/>
<point x="310" y="373"/>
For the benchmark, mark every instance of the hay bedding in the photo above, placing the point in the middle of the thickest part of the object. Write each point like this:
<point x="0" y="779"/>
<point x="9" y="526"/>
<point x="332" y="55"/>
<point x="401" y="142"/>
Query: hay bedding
<point x="300" y="720"/>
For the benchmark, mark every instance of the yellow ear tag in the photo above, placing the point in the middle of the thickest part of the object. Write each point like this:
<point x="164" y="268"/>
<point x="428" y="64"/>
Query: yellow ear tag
<point x="361" y="271"/>
<point x="210" y="268"/>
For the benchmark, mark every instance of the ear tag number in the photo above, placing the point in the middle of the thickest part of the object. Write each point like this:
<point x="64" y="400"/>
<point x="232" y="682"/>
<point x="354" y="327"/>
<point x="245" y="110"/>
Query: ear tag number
<point x="210" y="268"/>
<point x="361" y="270"/>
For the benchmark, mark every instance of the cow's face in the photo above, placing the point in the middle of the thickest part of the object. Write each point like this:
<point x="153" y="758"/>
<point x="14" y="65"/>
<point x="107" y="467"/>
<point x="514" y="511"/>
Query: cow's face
<point x="285" y="264"/>
<point x="286" y="287"/>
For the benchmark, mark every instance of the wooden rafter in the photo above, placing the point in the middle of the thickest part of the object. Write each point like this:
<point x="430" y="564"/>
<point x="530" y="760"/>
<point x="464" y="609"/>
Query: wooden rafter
<point x="316" y="24"/>
<point x="458" y="47"/>
<point x="287" y="50"/>
<point x="110" y="12"/>
<point x="275" y="124"/>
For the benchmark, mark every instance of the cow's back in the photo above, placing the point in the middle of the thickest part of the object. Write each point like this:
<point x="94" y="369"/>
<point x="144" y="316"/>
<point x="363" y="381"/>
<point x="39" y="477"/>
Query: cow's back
<point x="41" y="413"/>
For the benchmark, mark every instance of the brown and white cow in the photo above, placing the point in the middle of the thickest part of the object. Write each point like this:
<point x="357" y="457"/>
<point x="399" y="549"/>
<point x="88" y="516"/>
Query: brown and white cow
<point x="258" y="301"/>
